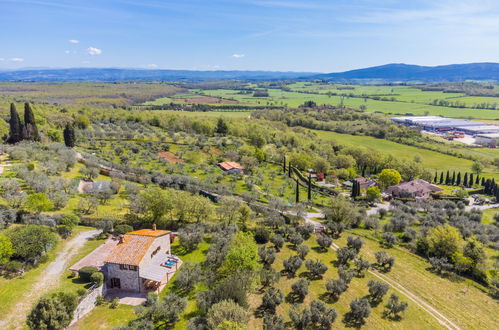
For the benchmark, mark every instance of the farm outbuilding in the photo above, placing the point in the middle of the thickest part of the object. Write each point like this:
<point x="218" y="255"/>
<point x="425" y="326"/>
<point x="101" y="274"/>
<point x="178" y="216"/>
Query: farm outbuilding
<point x="231" y="167"/>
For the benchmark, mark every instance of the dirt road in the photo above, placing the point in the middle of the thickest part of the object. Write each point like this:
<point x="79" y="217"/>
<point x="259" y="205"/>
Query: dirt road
<point x="16" y="317"/>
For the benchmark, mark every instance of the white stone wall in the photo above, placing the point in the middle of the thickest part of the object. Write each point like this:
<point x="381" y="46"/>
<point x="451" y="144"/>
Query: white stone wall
<point x="129" y="279"/>
<point x="87" y="303"/>
<point x="163" y="242"/>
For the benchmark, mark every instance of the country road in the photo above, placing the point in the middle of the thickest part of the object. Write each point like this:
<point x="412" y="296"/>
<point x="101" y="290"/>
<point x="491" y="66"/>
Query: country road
<point x="444" y="321"/>
<point x="16" y="317"/>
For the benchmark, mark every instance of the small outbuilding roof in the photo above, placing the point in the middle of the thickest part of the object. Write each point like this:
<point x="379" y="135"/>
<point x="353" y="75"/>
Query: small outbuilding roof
<point x="227" y="166"/>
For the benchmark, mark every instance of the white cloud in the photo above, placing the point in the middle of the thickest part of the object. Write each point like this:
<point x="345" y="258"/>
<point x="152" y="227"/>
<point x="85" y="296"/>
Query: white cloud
<point x="152" y="66"/>
<point x="92" y="51"/>
<point x="74" y="41"/>
<point x="16" y="59"/>
<point x="238" y="55"/>
<point x="67" y="51"/>
<point x="2" y="59"/>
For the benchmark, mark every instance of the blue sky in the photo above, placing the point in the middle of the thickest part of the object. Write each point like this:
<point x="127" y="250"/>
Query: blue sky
<point x="284" y="35"/>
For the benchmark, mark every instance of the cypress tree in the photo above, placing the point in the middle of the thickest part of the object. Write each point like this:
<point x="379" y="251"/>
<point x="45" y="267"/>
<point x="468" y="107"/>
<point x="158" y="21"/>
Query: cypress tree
<point x="15" y="134"/>
<point x="297" y="192"/>
<point x="69" y="136"/>
<point x="477" y="181"/>
<point x="483" y="182"/>
<point x="441" y="178"/>
<point x="447" y="178"/>
<point x="465" y="181"/>
<point x="470" y="182"/>
<point x="354" y="189"/>
<point x="497" y="195"/>
<point x="284" y="164"/>
<point x="309" y="187"/>
<point x="453" y="180"/>
<point x="289" y="169"/>
<point x="458" y="179"/>
<point x="30" y="124"/>
<point x="435" y="178"/>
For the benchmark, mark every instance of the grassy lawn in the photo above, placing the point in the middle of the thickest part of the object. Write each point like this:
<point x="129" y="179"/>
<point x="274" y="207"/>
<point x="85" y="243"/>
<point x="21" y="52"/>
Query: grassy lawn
<point x="488" y="215"/>
<point x="103" y="317"/>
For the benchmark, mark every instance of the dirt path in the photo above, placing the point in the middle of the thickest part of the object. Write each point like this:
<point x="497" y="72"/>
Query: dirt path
<point x="444" y="321"/>
<point x="15" y="318"/>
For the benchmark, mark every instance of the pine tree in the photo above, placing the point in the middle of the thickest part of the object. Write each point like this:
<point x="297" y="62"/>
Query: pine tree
<point x="30" y="124"/>
<point x="458" y="179"/>
<point x="441" y="178"/>
<point x="465" y="181"/>
<point x="69" y="136"/>
<point x="15" y="134"/>
<point x="297" y="192"/>
<point x="222" y="127"/>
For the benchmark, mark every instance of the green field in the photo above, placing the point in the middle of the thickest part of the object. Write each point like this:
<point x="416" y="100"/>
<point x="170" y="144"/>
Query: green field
<point x="413" y="102"/>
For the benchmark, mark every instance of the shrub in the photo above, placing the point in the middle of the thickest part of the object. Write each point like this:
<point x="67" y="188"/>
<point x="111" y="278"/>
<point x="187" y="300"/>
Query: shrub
<point x="335" y="287"/>
<point x="302" y="251"/>
<point x="100" y="300"/>
<point x="299" y="290"/>
<point x="85" y="273"/>
<point x="377" y="290"/>
<point x="324" y="241"/>
<point x="261" y="235"/>
<point x="316" y="268"/>
<point x="114" y="303"/>
<point x="389" y="240"/>
<point x="122" y="229"/>
<point x="97" y="278"/>
<point x="394" y="308"/>
<point x="226" y="310"/>
<point x="292" y="264"/>
<point x="81" y="292"/>
<point x="52" y="312"/>
<point x="278" y="242"/>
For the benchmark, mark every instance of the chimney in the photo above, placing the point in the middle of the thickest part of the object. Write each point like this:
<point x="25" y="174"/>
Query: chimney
<point x="121" y="239"/>
<point x="154" y="227"/>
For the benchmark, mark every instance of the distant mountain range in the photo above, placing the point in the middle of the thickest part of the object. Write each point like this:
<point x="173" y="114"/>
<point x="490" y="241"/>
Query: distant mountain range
<point x="382" y="74"/>
<point x="405" y="73"/>
<point x="110" y="74"/>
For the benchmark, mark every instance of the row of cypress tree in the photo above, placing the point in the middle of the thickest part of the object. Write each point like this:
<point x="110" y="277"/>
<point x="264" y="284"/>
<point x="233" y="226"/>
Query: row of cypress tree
<point x="22" y="131"/>
<point x="455" y="180"/>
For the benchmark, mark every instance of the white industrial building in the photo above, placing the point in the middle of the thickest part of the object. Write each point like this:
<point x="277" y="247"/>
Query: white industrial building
<point x="487" y="139"/>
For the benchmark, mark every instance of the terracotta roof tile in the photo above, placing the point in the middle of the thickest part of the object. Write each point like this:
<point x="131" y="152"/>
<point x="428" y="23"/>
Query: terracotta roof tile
<point x="149" y="232"/>
<point x="131" y="251"/>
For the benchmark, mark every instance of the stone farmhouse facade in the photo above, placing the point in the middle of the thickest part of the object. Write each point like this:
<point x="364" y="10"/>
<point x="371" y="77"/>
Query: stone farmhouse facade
<point x="137" y="262"/>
